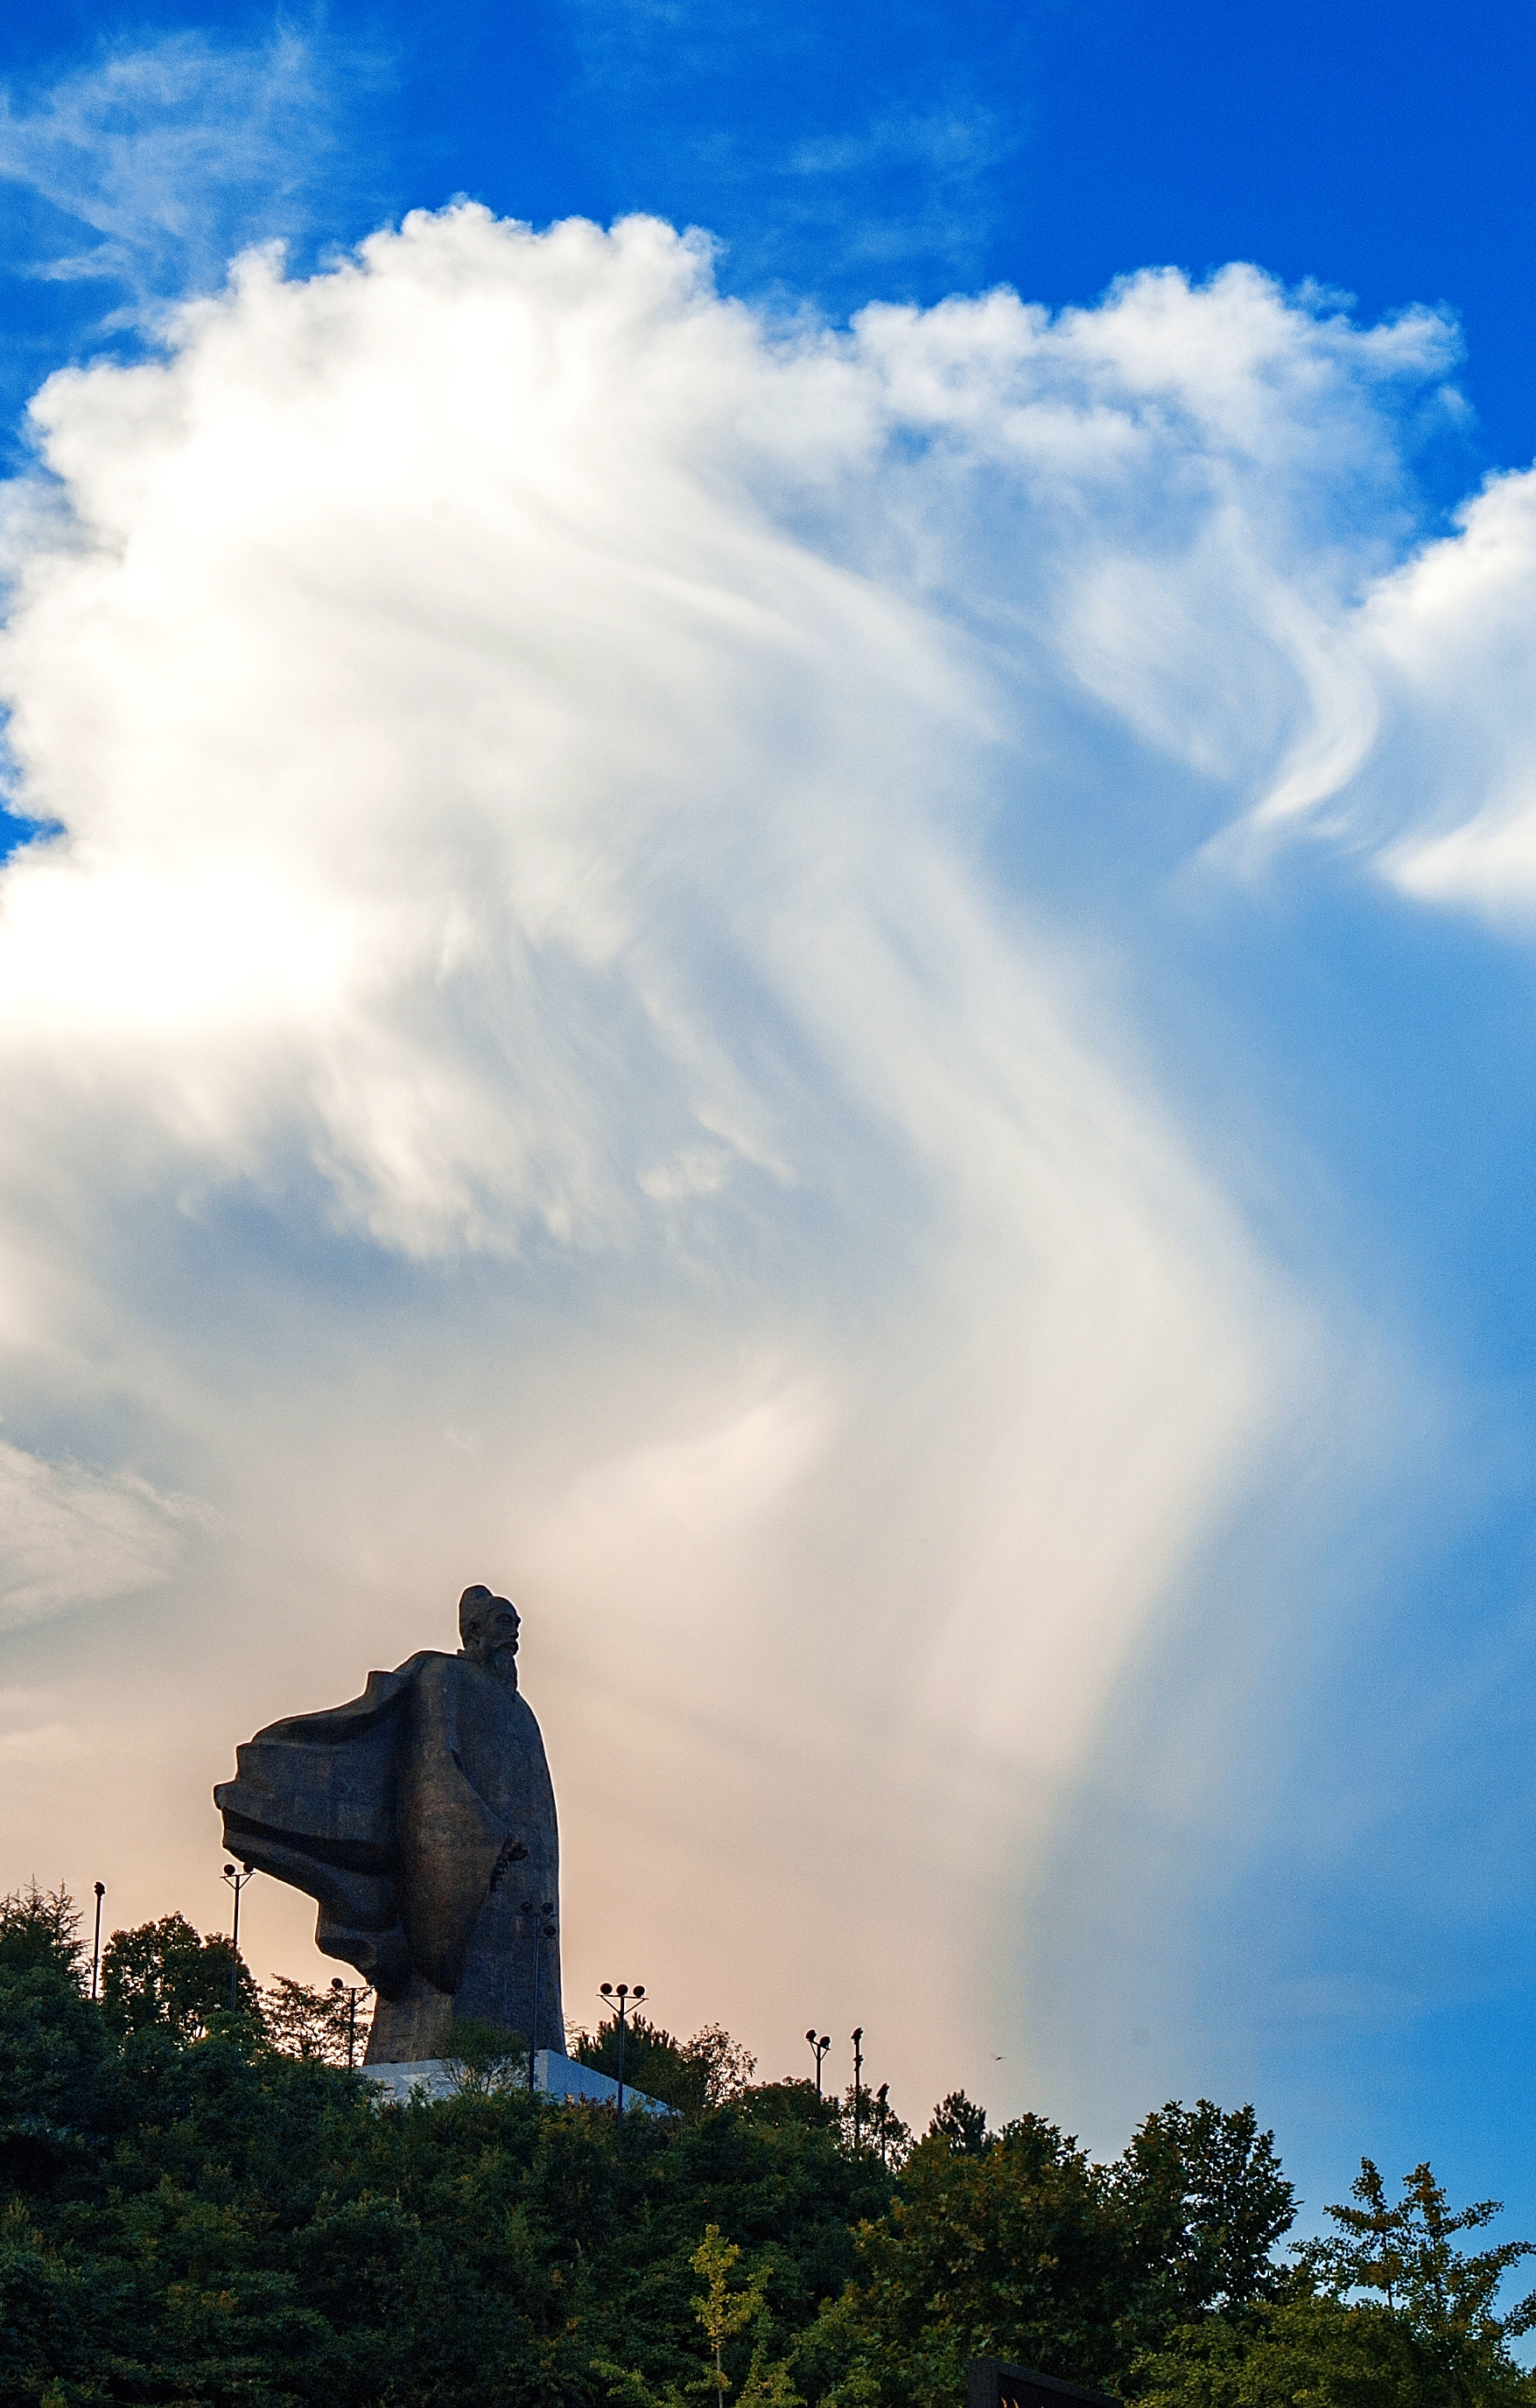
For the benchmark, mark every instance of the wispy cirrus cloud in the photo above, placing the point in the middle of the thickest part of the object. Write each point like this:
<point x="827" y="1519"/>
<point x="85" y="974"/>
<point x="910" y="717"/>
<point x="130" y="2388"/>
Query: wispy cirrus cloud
<point x="862" y="177"/>
<point x="71" y="1535"/>
<point x="156" y="161"/>
<point x="909" y="190"/>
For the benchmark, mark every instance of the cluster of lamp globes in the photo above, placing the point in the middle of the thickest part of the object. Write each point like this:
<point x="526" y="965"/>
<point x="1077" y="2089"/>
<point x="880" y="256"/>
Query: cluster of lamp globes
<point x="824" y="2043"/>
<point x="626" y="1998"/>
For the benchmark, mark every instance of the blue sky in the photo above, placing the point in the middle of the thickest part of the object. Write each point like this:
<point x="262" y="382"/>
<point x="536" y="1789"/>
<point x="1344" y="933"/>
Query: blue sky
<point x="1089" y="1192"/>
<point x="899" y="152"/>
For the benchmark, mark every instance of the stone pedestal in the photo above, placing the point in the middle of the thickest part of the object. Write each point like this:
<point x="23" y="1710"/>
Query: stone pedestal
<point x="557" y="2077"/>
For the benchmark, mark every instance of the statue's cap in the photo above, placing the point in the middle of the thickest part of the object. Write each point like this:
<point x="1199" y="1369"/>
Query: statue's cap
<point x="475" y="1604"/>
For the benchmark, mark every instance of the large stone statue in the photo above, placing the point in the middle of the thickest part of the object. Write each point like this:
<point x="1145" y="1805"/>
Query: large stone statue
<point x="421" y="1818"/>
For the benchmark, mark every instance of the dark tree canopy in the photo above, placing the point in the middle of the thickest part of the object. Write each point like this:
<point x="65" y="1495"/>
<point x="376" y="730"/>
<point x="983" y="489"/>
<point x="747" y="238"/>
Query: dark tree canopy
<point x="162" y="1974"/>
<point x="1206" y="2198"/>
<point x="962" y="2124"/>
<point x="703" y="2072"/>
<point x="197" y="2210"/>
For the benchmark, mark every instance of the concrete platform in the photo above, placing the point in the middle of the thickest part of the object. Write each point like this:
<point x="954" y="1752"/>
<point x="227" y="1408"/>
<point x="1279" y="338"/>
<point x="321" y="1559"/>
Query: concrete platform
<point x="558" y="2077"/>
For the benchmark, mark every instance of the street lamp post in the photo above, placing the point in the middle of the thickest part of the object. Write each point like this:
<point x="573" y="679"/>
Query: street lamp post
<point x="858" y="2070"/>
<point x="625" y="1995"/>
<point x="95" y="1945"/>
<point x="544" y="1928"/>
<point x="883" y="2112"/>
<point x="237" y="1883"/>
<point x="353" y="1994"/>
<point x="820" y="2047"/>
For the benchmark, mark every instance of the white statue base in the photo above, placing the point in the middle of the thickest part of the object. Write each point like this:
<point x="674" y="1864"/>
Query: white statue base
<point x="557" y="2077"/>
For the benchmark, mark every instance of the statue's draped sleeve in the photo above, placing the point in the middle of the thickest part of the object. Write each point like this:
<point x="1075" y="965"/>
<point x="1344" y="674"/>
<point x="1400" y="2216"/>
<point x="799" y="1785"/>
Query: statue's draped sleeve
<point x="367" y="1808"/>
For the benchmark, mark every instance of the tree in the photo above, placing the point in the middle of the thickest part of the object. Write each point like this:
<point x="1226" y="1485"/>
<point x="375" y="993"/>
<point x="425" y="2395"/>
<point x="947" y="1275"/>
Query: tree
<point x="189" y="2214"/>
<point x="163" y="1974"/>
<point x="480" y="2057"/>
<point x="1387" y="2313"/>
<point x="962" y="2125"/>
<point x="192" y="2215"/>
<point x="728" y="2067"/>
<point x="305" y="2021"/>
<point x="57" y="2086"/>
<point x="721" y="2311"/>
<point x="1002" y="2246"/>
<point x="1406" y="2253"/>
<point x="724" y="2314"/>
<point x="693" y="2075"/>
<point x="1205" y="2200"/>
<point x="885" y="2130"/>
<point x="1284" y="2354"/>
<point x="40" y="1928"/>
<point x="868" y="2121"/>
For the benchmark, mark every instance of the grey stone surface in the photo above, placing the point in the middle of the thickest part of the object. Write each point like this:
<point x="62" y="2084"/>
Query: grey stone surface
<point x="421" y="1818"/>
<point x="558" y="2077"/>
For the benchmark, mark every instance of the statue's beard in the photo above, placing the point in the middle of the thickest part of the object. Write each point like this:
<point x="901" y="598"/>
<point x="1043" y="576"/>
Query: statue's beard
<point x="502" y="1664"/>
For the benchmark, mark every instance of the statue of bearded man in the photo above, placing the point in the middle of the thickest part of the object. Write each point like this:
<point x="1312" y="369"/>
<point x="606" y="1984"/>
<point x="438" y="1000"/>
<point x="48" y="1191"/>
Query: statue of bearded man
<point x="421" y="1817"/>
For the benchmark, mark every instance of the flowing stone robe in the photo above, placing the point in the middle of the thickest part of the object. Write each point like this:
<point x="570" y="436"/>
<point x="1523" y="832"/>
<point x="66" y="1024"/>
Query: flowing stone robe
<point x="421" y="1817"/>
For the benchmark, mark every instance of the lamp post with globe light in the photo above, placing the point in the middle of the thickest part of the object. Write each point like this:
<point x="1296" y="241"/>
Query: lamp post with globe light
<point x="621" y="1992"/>
<point x="237" y="1883"/>
<point x="95" y="1945"/>
<point x="820" y="2047"/>
<point x="352" y="1995"/>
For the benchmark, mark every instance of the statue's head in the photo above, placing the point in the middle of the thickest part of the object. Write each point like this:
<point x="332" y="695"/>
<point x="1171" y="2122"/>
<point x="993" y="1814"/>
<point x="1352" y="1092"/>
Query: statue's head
<point x="488" y="1627"/>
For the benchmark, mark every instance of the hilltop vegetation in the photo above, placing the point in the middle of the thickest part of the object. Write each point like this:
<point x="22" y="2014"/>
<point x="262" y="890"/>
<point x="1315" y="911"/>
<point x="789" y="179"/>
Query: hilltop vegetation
<point x="191" y="2213"/>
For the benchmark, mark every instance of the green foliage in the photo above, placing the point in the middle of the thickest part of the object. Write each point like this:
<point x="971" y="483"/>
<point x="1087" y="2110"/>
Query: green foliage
<point x="1205" y="2201"/>
<point x="206" y="2219"/>
<point x="1004" y="2245"/>
<point x="193" y="2217"/>
<point x="162" y="1974"/>
<point x="1281" y="2354"/>
<point x="693" y="2075"/>
<point x="482" y="2058"/>
<point x="305" y="2021"/>
<point x="1407" y="2253"/>
<point x="962" y="2125"/>
<point x="871" y="2122"/>
<point x="1429" y="2337"/>
<point x="727" y="2068"/>
<point x="724" y="2314"/>
<point x="55" y="2062"/>
<point x="1445" y="2297"/>
<point x="37" y="1928"/>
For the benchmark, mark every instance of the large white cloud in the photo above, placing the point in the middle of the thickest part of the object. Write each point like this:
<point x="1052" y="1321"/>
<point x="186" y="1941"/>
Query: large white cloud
<point x="1448" y="796"/>
<point x="520" y="1061"/>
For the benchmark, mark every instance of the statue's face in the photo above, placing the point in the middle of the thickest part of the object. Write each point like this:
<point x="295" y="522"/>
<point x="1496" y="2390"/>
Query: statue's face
<point x="493" y="1640"/>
